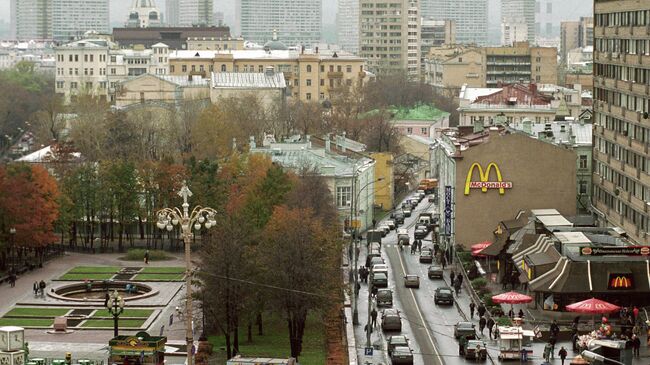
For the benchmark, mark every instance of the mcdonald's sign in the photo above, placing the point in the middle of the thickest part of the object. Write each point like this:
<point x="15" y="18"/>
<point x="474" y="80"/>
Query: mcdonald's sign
<point x="620" y="281"/>
<point x="484" y="175"/>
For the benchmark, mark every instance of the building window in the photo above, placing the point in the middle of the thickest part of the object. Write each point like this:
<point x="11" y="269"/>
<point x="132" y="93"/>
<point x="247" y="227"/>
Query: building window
<point x="348" y="68"/>
<point x="322" y="96"/>
<point x="308" y="96"/>
<point x="583" y="187"/>
<point x="201" y="68"/>
<point x="308" y="82"/>
<point x="89" y="85"/>
<point x="322" y="68"/>
<point x="184" y="68"/>
<point x="343" y="196"/>
<point x="85" y="58"/>
<point x="424" y="131"/>
<point x="409" y="130"/>
<point x="331" y="68"/>
<point x="171" y="69"/>
<point x="583" y="162"/>
<point x="260" y="69"/>
<point x="76" y="58"/>
<point x="73" y="85"/>
<point x="193" y="68"/>
<point x="322" y="82"/>
<point x="223" y="68"/>
<point x="60" y="84"/>
<point x="308" y="68"/>
<point x="339" y="68"/>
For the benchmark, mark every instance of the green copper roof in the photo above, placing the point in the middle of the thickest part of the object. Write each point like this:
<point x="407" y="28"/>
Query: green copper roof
<point x="418" y="112"/>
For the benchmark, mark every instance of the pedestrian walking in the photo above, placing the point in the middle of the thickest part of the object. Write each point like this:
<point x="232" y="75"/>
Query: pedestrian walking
<point x="452" y="276"/>
<point x="636" y="345"/>
<point x="555" y="329"/>
<point x="458" y="283"/>
<point x="35" y="288"/>
<point x="552" y="341"/>
<point x="562" y="353"/>
<point x="481" y="310"/>
<point x="481" y="324"/>
<point x="457" y="287"/>
<point x="635" y="313"/>
<point x="459" y="277"/>
<point x="146" y="257"/>
<point x="41" y="287"/>
<point x="490" y="326"/>
<point x="471" y="310"/>
<point x="373" y="316"/>
<point x="12" y="279"/>
<point x="374" y="292"/>
<point x="443" y="261"/>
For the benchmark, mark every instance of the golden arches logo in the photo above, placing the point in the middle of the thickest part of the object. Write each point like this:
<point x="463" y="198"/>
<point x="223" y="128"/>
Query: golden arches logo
<point x="621" y="282"/>
<point x="484" y="184"/>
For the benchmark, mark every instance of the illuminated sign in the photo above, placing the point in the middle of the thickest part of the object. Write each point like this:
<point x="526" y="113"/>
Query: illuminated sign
<point x="615" y="251"/>
<point x="484" y="184"/>
<point x="620" y="281"/>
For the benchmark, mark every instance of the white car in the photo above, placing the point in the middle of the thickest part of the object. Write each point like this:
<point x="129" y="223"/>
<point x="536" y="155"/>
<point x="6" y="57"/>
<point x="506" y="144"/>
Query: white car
<point x="380" y="268"/>
<point x="390" y="224"/>
<point x="384" y="228"/>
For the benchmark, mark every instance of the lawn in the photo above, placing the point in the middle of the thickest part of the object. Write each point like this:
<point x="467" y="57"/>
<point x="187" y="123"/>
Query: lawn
<point x="106" y="323"/>
<point x="163" y="270"/>
<point x="128" y="312"/>
<point x="82" y="276"/>
<point x="275" y="342"/>
<point x="26" y="322"/>
<point x="37" y="312"/>
<point x="94" y="269"/>
<point x="158" y="277"/>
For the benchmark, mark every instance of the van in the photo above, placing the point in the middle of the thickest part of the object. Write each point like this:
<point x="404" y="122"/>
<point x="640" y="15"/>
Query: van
<point x="390" y="320"/>
<point x="384" y="297"/>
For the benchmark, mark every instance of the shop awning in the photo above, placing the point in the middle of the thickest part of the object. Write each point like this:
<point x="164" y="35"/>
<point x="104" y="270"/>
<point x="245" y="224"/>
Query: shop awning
<point x="130" y="353"/>
<point x="496" y="247"/>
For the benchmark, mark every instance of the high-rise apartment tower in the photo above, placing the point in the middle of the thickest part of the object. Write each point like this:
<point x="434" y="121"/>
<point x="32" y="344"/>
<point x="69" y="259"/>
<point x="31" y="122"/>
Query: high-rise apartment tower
<point x="294" y="21"/>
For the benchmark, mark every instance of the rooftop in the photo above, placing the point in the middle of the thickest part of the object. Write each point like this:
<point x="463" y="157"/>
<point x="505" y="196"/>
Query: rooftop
<point x="260" y="54"/>
<point x="248" y="80"/>
<point x="559" y="132"/>
<point x="418" y="112"/>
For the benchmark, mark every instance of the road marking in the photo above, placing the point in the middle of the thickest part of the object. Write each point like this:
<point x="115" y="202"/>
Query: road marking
<point x="426" y="327"/>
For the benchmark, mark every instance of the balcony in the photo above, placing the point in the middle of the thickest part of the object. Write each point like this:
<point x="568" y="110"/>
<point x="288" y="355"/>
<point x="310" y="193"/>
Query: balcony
<point x="335" y="74"/>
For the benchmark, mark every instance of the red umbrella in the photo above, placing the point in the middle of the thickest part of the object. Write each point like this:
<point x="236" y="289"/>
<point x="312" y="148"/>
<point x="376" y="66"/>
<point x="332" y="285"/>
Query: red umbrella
<point x="592" y="306"/>
<point x="512" y="297"/>
<point x="481" y="245"/>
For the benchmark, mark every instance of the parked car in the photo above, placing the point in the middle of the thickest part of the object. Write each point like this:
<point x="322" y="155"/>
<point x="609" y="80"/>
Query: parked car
<point x="374" y="246"/>
<point x="431" y="198"/>
<point x="435" y="271"/>
<point x="394" y="341"/>
<point x="380" y="280"/>
<point x="420" y="233"/>
<point x="384" y="229"/>
<point x="476" y="350"/>
<point x="414" y="202"/>
<point x="398" y="217"/>
<point x="390" y="224"/>
<point x="467" y="329"/>
<point x="402" y="355"/>
<point x="376" y="260"/>
<point x="443" y="295"/>
<point x="426" y="256"/>
<point x="384" y="297"/>
<point x="379" y="268"/>
<point x="406" y="211"/>
<point x="412" y="281"/>
<point x="390" y="320"/>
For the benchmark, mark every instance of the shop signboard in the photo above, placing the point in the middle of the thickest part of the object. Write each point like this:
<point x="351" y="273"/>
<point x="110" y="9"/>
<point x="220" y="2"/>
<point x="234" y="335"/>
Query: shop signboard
<point x="620" y="281"/>
<point x="615" y="251"/>
<point x="484" y="175"/>
<point x="448" y="211"/>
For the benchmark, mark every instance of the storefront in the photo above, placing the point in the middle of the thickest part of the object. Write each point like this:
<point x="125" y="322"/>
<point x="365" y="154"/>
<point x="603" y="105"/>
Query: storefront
<point x="140" y="349"/>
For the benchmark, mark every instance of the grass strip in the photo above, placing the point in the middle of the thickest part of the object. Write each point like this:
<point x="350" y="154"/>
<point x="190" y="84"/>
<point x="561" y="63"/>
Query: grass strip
<point x="82" y="277"/>
<point x="128" y="312"/>
<point x="163" y="270"/>
<point x="94" y="270"/>
<point x="26" y="322"/>
<point x="37" y="312"/>
<point x="108" y="323"/>
<point x="158" y="277"/>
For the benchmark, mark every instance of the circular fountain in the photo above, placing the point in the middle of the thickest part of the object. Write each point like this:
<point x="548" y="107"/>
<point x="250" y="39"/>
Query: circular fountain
<point x="95" y="291"/>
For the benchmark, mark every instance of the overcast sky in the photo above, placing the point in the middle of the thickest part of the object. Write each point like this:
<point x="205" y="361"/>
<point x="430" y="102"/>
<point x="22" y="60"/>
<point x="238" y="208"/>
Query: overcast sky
<point x="119" y="9"/>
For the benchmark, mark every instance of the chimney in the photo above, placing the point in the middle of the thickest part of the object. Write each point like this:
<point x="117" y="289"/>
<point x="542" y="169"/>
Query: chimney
<point x="251" y="142"/>
<point x="302" y="50"/>
<point x="327" y="142"/>
<point x="533" y="87"/>
<point x="343" y="142"/>
<point x="316" y="50"/>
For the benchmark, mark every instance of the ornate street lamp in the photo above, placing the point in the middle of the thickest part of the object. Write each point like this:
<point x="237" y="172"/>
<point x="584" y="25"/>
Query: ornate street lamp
<point x="12" y="232"/>
<point x="115" y="306"/>
<point x="199" y="217"/>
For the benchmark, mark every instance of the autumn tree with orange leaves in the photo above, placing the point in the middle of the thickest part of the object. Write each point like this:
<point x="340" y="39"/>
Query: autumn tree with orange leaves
<point x="29" y="204"/>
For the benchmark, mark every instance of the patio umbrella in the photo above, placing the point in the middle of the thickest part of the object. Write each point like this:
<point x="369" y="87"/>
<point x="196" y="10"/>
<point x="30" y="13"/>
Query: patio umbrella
<point x="592" y="306"/>
<point x="512" y="297"/>
<point x="476" y="248"/>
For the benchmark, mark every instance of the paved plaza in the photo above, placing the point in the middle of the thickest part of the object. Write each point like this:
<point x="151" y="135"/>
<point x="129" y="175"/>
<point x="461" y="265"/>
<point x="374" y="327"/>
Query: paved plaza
<point x="92" y="343"/>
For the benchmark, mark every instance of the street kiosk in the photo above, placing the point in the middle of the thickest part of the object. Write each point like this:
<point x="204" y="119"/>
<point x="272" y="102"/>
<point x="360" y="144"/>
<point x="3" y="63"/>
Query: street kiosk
<point x="141" y="349"/>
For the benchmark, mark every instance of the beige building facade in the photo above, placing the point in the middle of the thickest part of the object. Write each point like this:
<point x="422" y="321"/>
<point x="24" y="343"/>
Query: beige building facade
<point x="161" y="89"/>
<point x="309" y="75"/>
<point x="390" y="35"/>
<point x="215" y="43"/>
<point x="621" y="178"/>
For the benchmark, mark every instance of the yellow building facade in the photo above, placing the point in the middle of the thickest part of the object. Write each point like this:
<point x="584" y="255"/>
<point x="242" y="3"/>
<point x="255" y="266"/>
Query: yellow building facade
<point x="384" y="189"/>
<point x="310" y="75"/>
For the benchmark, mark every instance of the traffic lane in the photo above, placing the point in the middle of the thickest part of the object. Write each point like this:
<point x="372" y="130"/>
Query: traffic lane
<point x="422" y="340"/>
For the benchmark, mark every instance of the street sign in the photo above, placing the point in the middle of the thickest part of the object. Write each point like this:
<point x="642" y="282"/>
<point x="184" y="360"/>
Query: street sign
<point x="368" y="351"/>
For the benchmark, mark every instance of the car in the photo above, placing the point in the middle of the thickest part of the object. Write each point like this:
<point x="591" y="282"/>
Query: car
<point x="476" y="350"/>
<point x="379" y="268"/>
<point x="385" y="229"/>
<point x="443" y="295"/>
<point x="420" y="233"/>
<point x="394" y="341"/>
<point x="384" y="297"/>
<point x="390" y="224"/>
<point x="398" y="217"/>
<point x="414" y="202"/>
<point x="403" y="235"/>
<point x="380" y="280"/>
<point x="374" y="246"/>
<point x="412" y="281"/>
<point x="467" y="329"/>
<point x="406" y="211"/>
<point x="374" y="261"/>
<point x="434" y="271"/>
<point x="431" y="198"/>
<point x="390" y="320"/>
<point x="426" y="256"/>
<point x="401" y="355"/>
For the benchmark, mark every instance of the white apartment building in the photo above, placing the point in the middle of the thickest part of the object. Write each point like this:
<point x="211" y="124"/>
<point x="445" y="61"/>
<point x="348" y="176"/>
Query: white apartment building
<point x="390" y="35"/>
<point x="470" y="16"/>
<point x="71" y="19"/>
<point x="97" y="66"/>
<point x="171" y="13"/>
<point x="30" y="19"/>
<point x="347" y="25"/>
<point x="516" y="12"/>
<point x="194" y="12"/>
<point x="296" y="22"/>
<point x="514" y="30"/>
